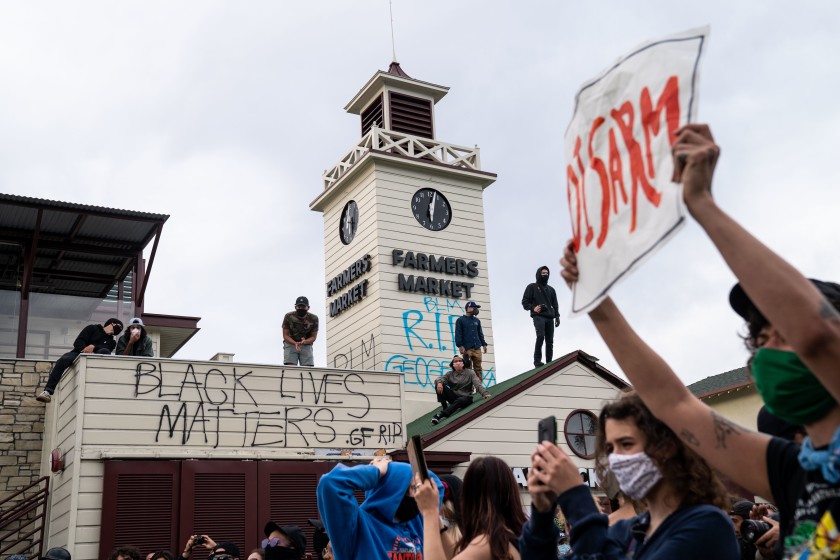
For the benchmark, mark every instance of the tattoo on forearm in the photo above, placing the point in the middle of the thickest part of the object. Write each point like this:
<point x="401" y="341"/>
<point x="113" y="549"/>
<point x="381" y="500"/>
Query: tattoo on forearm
<point x="689" y="438"/>
<point x="828" y="311"/>
<point x="723" y="429"/>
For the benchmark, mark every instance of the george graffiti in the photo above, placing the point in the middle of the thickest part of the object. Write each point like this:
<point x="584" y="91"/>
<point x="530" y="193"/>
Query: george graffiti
<point x="360" y="356"/>
<point x="292" y="409"/>
<point x="429" y="343"/>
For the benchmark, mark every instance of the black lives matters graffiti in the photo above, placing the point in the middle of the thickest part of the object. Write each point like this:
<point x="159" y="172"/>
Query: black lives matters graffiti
<point x="229" y="406"/>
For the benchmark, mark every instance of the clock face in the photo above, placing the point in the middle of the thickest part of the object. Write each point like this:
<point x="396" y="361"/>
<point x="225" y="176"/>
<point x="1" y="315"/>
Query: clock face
<point x="349" y="222"/>
<point x="431" y="209"/>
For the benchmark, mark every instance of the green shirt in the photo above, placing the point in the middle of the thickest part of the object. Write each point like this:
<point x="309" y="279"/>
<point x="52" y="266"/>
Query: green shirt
<point x="300" y="327"/>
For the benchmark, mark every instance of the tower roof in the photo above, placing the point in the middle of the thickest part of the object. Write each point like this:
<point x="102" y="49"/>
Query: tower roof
<point x="395" y="78"/>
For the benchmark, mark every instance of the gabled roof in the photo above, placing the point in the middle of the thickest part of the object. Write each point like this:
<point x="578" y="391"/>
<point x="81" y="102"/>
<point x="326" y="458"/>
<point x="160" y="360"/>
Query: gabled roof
<point x="726" y="381"/>
<point x="503" y="392"/>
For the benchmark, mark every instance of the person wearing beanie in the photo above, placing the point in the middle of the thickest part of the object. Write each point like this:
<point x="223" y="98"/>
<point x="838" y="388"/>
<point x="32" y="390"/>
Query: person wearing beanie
<point x="93" y="339"/>
<point x="540" y="300"/>
<point x="300" y="329"/>
<point x="135" y="341"/>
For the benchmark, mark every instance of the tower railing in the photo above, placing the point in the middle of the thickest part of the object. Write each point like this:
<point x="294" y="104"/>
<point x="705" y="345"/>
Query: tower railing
<point x="398" y="143"/>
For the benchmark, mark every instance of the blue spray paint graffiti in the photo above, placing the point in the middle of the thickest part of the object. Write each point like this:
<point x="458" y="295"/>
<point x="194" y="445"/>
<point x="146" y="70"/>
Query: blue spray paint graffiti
<point x="422" y="370"/>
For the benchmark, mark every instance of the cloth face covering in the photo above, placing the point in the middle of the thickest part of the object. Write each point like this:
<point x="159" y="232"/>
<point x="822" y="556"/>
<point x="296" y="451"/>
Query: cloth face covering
<point x="636" y="473"/>
<point x="788" y="387"/>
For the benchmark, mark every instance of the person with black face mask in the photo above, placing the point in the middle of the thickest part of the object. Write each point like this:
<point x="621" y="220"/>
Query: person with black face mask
<point x="300" y="329"/>
<point x="283" y="542"/>
<point x="541" y="300"/>
<point x="386" y="525"/>
<point x="94" y="339"/>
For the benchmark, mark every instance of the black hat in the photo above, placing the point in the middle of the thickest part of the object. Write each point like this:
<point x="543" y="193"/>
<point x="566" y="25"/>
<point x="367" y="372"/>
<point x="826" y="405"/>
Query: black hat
<point x="57" y="553"/>
<point x="292" y="531"/>
<point x="228" y="547"/>
<point x="472" y="304"/>
<point x="744" y="307"/>
<point x="742" y="508"/>
<point x="769" y="423"/>
<point x="302" y="301"/>
<point x="317" y="523"/>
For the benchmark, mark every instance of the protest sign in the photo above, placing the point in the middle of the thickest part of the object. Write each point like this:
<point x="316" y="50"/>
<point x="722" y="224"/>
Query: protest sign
<point x="622" y="203"/>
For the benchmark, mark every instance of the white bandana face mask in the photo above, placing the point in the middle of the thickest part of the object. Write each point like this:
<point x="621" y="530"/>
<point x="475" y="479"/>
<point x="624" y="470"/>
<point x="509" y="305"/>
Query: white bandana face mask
<point x="636" y="473"/>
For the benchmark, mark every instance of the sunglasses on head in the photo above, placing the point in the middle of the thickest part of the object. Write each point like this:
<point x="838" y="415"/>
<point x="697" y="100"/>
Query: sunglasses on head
<point x="272" y="542"/>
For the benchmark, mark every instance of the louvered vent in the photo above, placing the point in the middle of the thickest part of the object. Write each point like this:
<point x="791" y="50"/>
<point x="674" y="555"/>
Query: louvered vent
<point x="372" y="115"/>
<point x="143" y="515"/>
<point x="411" y="115"/>
<point x="293" y="501"/>
<point x="220" y="504"/>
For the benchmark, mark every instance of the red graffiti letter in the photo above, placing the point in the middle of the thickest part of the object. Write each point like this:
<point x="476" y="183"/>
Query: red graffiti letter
<point x="637" y="164"/>
<point x="598" y="165"/>
<point x="651" y="118"/>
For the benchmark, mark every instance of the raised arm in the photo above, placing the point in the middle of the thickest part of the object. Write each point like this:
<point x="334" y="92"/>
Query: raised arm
<point x="734" y="451"/>
<point x="784" y="296"/>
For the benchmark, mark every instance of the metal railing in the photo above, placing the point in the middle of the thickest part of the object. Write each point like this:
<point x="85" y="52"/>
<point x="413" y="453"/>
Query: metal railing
<point x="21" y="522"/>
<point x="379" y="139"/>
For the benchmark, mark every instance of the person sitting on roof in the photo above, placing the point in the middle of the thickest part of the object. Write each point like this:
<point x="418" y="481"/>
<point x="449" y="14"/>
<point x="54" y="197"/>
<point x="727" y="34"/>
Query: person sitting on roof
<point x="136" y="341"/>
<point x="455" y="388"/>
<point x="94" y="339"/>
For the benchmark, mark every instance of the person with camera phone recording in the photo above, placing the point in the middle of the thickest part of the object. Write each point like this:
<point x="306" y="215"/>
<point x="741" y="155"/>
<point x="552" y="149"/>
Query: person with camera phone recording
<point x="220" y="551"/>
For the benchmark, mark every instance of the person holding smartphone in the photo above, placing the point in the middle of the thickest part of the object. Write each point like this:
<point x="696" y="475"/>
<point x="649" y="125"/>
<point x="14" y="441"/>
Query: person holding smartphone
<point x="386" y="525"/>
<point x="686" y="501"/>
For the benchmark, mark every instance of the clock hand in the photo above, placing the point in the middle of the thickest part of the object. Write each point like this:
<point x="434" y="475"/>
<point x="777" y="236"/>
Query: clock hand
<point x="432" y="208"/>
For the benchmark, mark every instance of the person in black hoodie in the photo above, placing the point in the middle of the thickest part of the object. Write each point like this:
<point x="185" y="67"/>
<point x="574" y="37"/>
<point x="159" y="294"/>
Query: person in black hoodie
<point x="541" y="300"/>
<point x="94" y="339"/>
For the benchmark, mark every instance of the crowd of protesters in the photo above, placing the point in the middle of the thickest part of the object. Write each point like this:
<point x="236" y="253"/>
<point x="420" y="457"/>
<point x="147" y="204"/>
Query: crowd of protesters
<point x="659" y="448"/>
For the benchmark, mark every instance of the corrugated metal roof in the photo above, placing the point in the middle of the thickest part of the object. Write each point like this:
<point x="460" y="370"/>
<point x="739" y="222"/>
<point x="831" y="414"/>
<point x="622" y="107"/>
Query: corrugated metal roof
<point x="83" y="250"/>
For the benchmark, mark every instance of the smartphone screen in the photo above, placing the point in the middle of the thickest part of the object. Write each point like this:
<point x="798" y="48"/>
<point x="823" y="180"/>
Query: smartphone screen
<point x="547" y="430"/>
<point x="416" y="457"/>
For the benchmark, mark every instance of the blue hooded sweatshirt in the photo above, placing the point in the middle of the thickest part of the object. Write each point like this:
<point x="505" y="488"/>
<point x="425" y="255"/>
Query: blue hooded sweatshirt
<point x="368" y="531"/>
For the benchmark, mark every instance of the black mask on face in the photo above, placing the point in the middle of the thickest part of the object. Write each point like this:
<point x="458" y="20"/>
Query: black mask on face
<point x="281" y="553"/>
<point x="406" y="511"/>
<point x="300" y="312"/>
<point x="543" y="279"/>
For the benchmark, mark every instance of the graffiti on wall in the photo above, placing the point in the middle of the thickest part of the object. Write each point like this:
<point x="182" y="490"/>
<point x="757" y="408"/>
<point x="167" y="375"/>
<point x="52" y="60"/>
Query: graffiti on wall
<point x="360" y="356"/>
<point x="429" y="343"/>
<point x="204" y="405"/>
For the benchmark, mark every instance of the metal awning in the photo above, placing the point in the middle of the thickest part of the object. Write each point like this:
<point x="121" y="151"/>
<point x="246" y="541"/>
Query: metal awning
<point x="71" y="249"/>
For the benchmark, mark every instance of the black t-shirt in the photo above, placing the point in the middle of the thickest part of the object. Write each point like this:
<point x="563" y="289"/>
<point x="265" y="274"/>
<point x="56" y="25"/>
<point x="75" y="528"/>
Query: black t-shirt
<point x="808" y="504"/>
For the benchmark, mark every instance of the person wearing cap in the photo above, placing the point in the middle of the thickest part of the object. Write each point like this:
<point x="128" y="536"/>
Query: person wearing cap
<point x="387" y="525"/>
<point x="93" y="339"/>
<point x="455" y="389"/>
<point x="794" y="341"/>
<point x="469" y="337"/>
<point x="283" y="542"/>
<point x="320" y="539"/>
<point x="300" y="329"/>
<point x="135" y="341"/>
<point x="738" y="513"/>
<point x="57" y="553"/>
<point x="540" y="300"/>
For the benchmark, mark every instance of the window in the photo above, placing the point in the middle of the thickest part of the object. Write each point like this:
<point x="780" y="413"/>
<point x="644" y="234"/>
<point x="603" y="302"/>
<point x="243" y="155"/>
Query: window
<point x="580" y="433"/>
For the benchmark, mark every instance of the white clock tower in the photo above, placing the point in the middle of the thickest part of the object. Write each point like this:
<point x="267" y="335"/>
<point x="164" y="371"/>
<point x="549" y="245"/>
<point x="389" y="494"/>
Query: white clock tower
<point x="404" y="240"/>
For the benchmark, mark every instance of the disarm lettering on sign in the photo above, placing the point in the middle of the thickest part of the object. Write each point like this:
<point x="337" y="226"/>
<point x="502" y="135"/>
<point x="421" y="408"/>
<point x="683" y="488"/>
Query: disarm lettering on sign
<point x="622" y="203"/>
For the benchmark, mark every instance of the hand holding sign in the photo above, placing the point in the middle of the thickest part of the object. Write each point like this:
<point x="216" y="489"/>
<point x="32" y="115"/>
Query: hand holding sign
<point x="622" y="203"/>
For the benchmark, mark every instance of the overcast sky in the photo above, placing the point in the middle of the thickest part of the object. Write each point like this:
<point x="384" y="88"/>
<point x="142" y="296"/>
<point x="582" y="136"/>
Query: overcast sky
<point x="225" y="114"/>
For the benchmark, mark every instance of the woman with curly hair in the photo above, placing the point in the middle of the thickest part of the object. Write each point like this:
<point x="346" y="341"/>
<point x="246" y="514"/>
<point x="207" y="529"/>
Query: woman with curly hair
<point x="685" y="499"/>
<point x="491" y="514"/>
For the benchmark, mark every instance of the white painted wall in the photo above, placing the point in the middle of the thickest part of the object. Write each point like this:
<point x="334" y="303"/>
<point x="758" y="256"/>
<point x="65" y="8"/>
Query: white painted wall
<point x="510" y="430"/>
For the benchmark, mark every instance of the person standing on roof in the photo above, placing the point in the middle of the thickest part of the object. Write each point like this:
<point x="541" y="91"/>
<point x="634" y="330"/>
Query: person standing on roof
<point x="469" y="337"/>
<point x="541" y="300"/>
